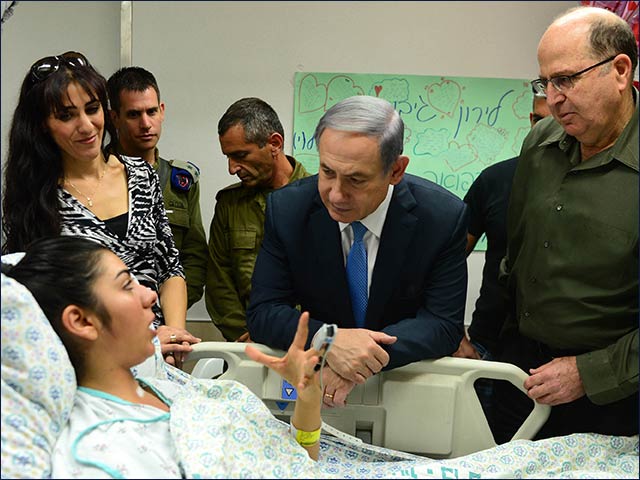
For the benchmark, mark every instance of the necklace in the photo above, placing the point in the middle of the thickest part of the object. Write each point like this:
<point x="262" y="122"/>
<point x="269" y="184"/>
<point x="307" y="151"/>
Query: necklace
<point x="88" y="197"/>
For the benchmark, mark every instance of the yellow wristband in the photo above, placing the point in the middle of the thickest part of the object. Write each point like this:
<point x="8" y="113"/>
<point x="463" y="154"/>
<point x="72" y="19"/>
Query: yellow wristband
<point x="305" y="439"/>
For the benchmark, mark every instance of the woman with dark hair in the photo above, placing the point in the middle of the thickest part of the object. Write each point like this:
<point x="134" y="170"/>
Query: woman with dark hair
<point x="59" y="181"/>
<point x="103" y="317"/>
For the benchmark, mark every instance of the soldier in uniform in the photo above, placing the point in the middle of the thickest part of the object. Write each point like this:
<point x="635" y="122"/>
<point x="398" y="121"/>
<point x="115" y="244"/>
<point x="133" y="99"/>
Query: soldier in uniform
<point x="138" y="113"/>
<point x="252" y="138"/>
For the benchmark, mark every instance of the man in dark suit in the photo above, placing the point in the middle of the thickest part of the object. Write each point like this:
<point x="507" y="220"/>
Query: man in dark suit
<point x="413" y="253"/>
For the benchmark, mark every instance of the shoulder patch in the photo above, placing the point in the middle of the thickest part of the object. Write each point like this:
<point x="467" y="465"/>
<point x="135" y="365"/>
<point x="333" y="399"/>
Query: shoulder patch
<point x="183" y="174"/>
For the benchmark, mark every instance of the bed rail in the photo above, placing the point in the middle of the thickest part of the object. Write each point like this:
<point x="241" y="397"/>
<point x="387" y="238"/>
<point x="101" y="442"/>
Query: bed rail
<point x="428" y="407"/>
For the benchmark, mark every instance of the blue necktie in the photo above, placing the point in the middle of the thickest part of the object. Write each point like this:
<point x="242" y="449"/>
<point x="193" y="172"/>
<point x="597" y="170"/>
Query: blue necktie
<point x="357" y="274"/>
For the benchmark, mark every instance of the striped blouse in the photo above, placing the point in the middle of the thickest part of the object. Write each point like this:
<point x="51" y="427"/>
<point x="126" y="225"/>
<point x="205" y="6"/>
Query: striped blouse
<point x="148" y="248"/>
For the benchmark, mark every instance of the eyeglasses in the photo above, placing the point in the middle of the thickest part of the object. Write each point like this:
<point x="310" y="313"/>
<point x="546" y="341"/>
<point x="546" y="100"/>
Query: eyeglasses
<point x="562" y="83"/>
<point x="48" y="65"/>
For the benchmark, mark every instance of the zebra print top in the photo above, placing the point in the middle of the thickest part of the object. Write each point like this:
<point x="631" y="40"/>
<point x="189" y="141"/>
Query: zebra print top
<point x="148" y="248"/>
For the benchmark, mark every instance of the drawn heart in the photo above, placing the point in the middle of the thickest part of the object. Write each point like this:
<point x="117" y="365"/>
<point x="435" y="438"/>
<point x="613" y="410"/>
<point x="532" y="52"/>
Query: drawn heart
<point x="459" y="156"/>
<point x="341" y="87"/>
<point x="444" y="96"/>
<point x="378" y="89"/>
<point x="407" y="135"/>
<point x="311" y="94"/>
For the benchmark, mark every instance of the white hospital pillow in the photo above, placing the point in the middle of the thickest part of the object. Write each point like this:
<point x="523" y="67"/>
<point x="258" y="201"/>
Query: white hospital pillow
<point x="38" y="385"/>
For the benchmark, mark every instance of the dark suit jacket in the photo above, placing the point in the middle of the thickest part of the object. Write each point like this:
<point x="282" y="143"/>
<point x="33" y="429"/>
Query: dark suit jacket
<point x="419" y="283"/>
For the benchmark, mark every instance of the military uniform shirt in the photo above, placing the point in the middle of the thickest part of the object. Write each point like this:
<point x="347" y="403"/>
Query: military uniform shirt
<point x="235" y="237"/>
<point x="185" y="220"/>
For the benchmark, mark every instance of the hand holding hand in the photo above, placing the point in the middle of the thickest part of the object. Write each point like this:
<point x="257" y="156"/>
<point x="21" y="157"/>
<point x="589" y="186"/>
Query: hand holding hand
<point x="298" y="366"/>
<point x="336" y="388"/>
<point x="555" y="382"/>
<point x="356" y="353"/>
<point x="466" y="350"/>
<point x="175" y="343"/>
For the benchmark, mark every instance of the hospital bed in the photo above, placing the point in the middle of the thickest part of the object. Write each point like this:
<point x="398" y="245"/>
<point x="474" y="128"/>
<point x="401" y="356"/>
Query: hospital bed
<point x="428" y="408"/>
<point x="38" y="389"/>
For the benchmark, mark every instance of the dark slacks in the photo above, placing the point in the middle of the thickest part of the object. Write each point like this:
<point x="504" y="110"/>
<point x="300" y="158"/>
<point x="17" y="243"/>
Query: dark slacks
<point x="511" y="406"/>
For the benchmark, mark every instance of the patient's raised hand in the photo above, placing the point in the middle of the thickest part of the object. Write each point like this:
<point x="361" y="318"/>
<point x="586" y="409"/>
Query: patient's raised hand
<point x="297" y="366"/>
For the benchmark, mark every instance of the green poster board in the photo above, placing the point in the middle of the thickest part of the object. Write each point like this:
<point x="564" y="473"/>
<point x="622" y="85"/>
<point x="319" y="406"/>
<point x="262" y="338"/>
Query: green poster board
<point x="455" y="127"/>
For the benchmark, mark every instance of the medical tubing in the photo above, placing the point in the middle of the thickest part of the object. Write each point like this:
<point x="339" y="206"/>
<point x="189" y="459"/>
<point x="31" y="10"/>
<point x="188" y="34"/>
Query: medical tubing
<point x="114" y="473"/>
<point x="324" y="360"/>
<point x="101" y="466"/>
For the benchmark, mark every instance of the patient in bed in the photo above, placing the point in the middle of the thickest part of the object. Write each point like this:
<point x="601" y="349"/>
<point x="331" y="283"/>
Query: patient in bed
<point x="120" y="425"/>
<point x="127" y="419"/>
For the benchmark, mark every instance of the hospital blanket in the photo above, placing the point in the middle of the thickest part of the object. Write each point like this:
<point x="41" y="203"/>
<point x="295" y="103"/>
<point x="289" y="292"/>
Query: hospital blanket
<point x="220" y="429"/>
<point x="572" y="456"/>
<point x="259" y="447"/>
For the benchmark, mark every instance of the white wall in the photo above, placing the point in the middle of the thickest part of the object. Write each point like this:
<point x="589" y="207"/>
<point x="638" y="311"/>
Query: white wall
<point x="206" y="55"/>
<point x="38" y="29"/>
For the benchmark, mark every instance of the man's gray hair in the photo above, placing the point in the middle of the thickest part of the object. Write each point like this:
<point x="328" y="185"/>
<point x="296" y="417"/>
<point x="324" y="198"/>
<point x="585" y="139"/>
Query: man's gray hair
<point x="609" y="34"/>
<point x="258" y="119"/>
<point x="370" y="116"/>
<point x="612" y="36"/>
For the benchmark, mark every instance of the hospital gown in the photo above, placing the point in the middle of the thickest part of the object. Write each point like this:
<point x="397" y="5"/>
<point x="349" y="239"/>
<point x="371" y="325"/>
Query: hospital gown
<point x="215" y="429"/>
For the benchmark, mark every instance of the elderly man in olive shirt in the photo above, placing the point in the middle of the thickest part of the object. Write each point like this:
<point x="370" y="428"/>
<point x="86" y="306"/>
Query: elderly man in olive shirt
<point x="572" y="256"/>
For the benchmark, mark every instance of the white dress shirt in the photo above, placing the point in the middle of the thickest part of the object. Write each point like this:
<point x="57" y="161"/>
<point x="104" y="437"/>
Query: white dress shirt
<point x="374" y="223"/>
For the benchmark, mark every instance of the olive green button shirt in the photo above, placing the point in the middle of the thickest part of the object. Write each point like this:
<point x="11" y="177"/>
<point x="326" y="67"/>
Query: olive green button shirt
<point x="573" y="254"/>
<point x="235" y="237"/>
<point x="185" y="220"/>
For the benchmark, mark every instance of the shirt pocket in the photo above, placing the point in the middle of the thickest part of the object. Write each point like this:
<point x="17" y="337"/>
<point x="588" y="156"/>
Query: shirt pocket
<point x="178" y="217"/>
<point x="243" y="240"/>
<point x="244" y="250"/>
<point x="609" y="255"/>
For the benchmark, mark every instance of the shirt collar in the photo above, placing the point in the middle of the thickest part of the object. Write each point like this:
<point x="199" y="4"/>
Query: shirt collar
<point x="298" y="170"/>
<point x="375" y="220"/>
<point x="623" y="148"/>
<point x="619" y="151"/>
<point x="156" y="155"/>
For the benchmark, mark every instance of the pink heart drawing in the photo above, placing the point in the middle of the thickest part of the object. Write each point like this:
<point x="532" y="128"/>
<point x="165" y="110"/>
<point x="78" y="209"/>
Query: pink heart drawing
<point x="407" y="135"/>
<point x="311" y="94"/>
<point x="341" y="87"/>
<point x="444" y="96"/>
<point x="378" y="89"/>
<point x="459" y="156"/>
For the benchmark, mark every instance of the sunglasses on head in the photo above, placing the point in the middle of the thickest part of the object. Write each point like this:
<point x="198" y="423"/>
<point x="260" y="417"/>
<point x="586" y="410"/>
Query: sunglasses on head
<point x="48" y="65"/>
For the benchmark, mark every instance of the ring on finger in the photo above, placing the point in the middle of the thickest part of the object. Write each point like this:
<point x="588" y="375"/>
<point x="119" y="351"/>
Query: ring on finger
<point x="173" y="338"/>
<point x="329" y="395"/>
